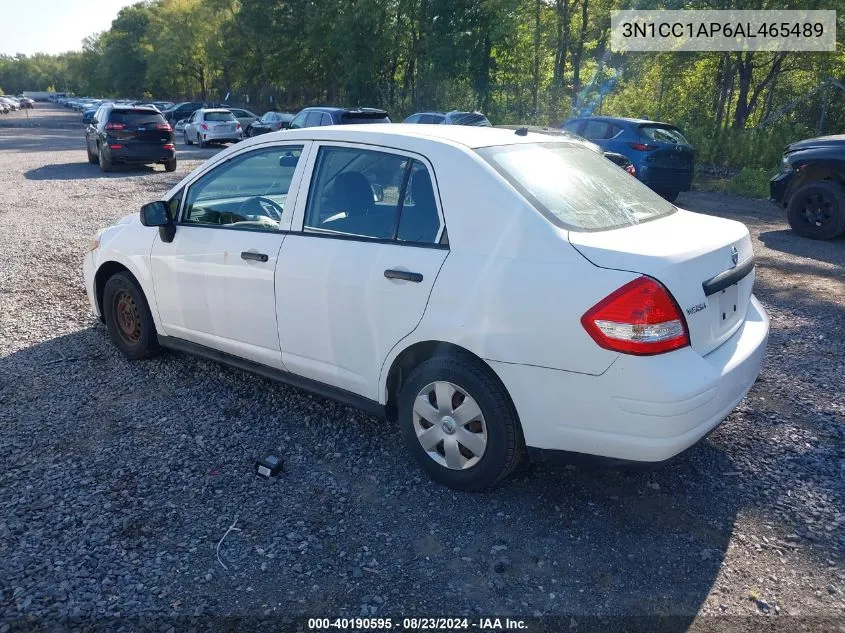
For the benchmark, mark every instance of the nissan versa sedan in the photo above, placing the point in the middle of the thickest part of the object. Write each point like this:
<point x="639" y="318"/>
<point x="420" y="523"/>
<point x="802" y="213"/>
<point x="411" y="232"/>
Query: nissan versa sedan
<point x="493" y="293"/>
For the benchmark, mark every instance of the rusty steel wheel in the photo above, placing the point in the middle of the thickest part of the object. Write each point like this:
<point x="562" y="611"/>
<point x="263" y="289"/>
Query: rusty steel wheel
<point x="128" y="319"/>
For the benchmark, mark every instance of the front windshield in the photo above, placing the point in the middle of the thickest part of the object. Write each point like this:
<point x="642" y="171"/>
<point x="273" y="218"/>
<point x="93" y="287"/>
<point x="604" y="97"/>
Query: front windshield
<point x="574" y="187"/>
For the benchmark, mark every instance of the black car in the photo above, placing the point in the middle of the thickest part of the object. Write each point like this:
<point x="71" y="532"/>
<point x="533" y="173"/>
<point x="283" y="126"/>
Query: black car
<point x="455" y="117"/>
<point x="811" y="186"/>
<point x="269" y="122"/>
<point x="130" y="134"/>
<point x="182" y="111"/>
<point x="317" y="116"/>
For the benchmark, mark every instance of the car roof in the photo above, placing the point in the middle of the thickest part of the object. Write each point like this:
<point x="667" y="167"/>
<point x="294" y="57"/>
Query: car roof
<point x="472" y="137"/>
<point x="338" y="109"/>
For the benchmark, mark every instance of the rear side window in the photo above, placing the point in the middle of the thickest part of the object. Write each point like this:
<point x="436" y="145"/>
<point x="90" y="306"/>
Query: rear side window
<point x="134" y="118"/>
<point x="219" y="116"/>
<point x="576" y="188"/>
<point x="663" y="134"/>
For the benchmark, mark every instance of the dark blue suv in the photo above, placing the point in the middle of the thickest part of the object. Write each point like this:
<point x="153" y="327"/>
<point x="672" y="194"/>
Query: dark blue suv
<point x="663" y="158"/>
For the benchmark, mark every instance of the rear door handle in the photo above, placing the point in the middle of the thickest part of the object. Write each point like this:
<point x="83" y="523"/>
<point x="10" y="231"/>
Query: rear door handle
<point x="257" y="257"/>
<point x="404" y="275"/>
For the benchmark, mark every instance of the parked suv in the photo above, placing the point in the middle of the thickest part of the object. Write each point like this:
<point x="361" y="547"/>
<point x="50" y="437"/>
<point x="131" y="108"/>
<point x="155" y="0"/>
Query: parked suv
<point x="129" y="134"/>
<point x="455" y="117"/>
<point x="663" y="159"/>
<point x="181" y="111"/>
<point x="811" y="186"/>
<point x="314" y="117"/>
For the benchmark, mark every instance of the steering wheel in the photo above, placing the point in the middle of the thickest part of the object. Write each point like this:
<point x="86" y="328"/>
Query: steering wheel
<point x="271" y="208"/>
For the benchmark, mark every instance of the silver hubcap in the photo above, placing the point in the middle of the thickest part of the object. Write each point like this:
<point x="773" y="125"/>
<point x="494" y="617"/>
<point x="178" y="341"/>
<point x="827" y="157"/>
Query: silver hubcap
<point x="449" y="425"/>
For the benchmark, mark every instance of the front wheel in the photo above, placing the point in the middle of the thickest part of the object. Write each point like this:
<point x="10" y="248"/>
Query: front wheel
<point x="459" y="424"/>
<point x="187" y="140"/>
<point x="128" y="318"/>
<point x="200" y="142"/>
<point x="92" y="159"/>
<point x="817" y="210"/>
<point x="170" y="165"/>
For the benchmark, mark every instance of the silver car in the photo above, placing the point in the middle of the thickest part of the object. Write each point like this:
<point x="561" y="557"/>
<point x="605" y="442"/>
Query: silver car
<point x="212" y="125"/>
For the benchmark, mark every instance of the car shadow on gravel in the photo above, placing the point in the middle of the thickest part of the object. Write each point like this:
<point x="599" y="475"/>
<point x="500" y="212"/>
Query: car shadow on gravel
<point x="158" y="456"/>
<point x="786" y="241"/>
<point x="86" y="171"/>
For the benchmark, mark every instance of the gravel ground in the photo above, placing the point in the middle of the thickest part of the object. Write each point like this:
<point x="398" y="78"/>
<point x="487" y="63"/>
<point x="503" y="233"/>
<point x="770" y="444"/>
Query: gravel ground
<point x="120" y="478"/>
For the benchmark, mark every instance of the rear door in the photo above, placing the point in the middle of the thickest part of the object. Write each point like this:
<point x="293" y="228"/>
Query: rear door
<point x="356" y="278"/>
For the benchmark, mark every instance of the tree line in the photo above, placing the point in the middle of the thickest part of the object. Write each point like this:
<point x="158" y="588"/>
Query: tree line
<point x="519" y="61"/>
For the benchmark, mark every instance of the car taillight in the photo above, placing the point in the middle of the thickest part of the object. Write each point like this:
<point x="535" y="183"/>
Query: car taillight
<point x="115" y="126"/>
<point x="115" y="146"/>
<point x="204" y="126"/>
<point x="163" y="126"/>
<point x="169" y="146"/>
<point x="642" y="147"/>
<point x="631" y="170"/>
<point x="639" y="318"/>
<point x="237" y="126"/>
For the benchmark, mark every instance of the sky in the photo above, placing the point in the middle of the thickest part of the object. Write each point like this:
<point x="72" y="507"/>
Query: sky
<point x="53" y="26"/>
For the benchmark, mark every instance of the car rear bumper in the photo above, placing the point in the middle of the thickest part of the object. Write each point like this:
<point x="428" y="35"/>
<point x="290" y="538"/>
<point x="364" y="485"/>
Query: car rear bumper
<point x="643" y="408"/>
<point x="665" y="178"/>
<point x="141" y="153"/>
<point x="222" y="137"/>
<point x="778" y="187"/>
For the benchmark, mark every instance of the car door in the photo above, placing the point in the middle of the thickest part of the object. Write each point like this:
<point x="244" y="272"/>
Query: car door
<point x="214" y="283"/>
<point x="355" y="279"/>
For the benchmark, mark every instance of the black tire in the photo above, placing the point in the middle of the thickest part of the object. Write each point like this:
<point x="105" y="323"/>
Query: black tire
<point x="170" y="165"/>
<point x="187" y="140"/>
<point x="128" y="318"/>
<point x="671" y="195"/>
<point x="504" y="447"/>
<point x="817" y="210"/>
<point x="92" y="158"/>
<point x="105" y="163"/>
<point x="200" y="142"/>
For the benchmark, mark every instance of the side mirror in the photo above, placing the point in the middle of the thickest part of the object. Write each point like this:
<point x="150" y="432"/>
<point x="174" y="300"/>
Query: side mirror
<point x="156" y="214"/>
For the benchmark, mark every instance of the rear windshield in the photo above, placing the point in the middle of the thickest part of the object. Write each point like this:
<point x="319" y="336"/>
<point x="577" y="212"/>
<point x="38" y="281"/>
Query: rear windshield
<point x="219" y="116"/>
<point x="575" y="188"/>
<point x="663" y="134"/>
<point x="468" y="118"/>
<point x="136" y="117"/>
<point x="363" y="117"/>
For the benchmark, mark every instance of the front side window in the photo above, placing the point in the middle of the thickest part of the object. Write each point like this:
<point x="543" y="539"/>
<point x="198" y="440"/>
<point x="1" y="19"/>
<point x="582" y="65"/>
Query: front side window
<point x="574" y="187"/>
<point x="596" y="130"/>
<point x="366" y="193"/>
<point x="313" y="119"/>
<point x="248" y="192"/>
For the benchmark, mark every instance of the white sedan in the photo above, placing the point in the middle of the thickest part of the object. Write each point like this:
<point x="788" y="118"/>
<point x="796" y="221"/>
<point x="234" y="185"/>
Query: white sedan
<point x="494" y="292"/>
<point x="212" y="125"/>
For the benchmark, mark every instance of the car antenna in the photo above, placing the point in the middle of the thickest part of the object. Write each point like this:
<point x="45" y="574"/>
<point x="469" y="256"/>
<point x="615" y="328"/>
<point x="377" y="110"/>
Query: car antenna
<point x="523" y="131"/>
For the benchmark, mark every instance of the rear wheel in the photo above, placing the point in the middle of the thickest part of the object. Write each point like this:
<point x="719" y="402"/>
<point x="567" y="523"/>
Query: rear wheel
<point x="459" y="424"/>
<point x="105" y="163"/>
<point x="817" y="210"/>
<point x="170" y="165"/>
<point x="128" y="317"/>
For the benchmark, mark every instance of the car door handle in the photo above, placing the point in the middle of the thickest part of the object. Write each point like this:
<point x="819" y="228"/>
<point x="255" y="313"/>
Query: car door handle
<point x="403" y="275"/>
<point x="257" y="257"/>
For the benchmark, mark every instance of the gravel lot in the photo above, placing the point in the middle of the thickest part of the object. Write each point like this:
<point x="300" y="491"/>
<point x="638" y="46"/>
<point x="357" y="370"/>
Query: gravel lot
<point x="120" y="478"/>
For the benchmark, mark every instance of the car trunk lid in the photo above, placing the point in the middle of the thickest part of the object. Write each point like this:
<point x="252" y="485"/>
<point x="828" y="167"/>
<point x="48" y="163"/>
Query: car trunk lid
<point x="706" y="263"/>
